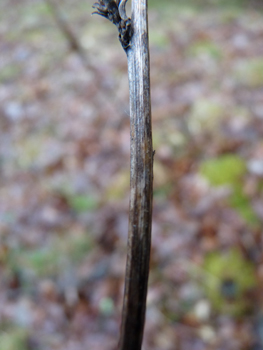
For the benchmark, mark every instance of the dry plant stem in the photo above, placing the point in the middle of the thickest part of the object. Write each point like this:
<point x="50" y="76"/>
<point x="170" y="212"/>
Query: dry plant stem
<point x="141" y="181"/>
<point x="133" y="35"/>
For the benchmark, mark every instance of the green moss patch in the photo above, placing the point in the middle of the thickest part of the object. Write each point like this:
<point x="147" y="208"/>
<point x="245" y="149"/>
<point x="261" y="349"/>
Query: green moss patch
<point x="228" y="277"/>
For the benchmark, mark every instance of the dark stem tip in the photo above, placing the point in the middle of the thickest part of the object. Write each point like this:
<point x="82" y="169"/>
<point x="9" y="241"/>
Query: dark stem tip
<point x="115" y="12"/>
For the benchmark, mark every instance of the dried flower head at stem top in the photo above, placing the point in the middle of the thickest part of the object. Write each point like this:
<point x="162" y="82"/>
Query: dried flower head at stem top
<point x="115" y="11"/>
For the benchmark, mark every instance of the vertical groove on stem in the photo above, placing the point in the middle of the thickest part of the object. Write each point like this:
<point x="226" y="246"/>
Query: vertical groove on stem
<point x="140" y="215"/>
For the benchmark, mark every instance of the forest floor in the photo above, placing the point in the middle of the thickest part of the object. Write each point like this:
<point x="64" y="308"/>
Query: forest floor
<point x="64" y="178"/>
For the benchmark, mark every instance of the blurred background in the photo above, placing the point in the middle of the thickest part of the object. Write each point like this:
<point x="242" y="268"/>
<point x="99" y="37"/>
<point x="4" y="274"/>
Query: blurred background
<point x="64" y="176"/>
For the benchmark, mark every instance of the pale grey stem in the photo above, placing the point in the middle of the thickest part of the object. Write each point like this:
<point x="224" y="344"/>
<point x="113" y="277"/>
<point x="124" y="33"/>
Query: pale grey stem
<point x="141" y="182"/>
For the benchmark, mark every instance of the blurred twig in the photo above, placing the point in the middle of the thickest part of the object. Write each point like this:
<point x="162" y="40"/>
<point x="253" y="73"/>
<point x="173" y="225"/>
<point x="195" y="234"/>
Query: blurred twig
<point x="72" y="39"/>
